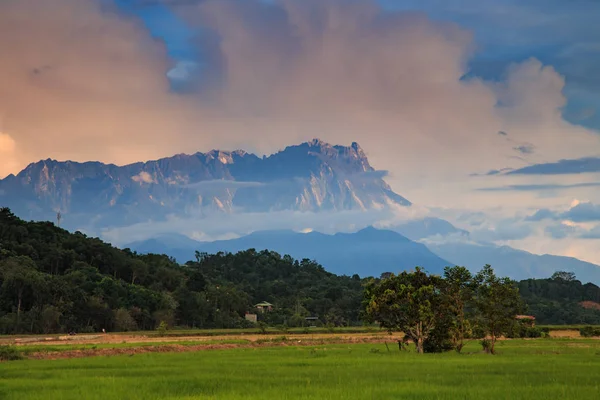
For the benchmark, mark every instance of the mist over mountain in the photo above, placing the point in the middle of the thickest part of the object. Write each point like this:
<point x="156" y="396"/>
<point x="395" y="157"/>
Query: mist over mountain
<point x="313" y="176"/>
<point x="261" y="202"/>
<point x="517" y="264"/>
<point x="368" y="252"/>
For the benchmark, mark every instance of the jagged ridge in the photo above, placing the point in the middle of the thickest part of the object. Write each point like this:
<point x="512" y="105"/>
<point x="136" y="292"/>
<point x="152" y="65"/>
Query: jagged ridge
<point x="312" y="176"/>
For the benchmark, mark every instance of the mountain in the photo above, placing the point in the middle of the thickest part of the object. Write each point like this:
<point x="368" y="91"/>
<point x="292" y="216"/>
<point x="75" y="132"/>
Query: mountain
<point x="371" y="252"/>
<point x="312" y="176"/>
<point x="517" y="264"/>
<point x="368" y="252"/>
<point x="427" y="227"/>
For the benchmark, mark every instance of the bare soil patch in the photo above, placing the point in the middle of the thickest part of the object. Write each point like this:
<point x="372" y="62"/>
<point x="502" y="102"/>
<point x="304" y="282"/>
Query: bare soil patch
<point x="567" y="333"/>
<point x="261" y="341"/>
<point x="137" y="338"/>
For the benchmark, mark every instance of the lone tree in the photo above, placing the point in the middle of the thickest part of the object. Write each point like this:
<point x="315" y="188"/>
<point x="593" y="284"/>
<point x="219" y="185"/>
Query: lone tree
<point x="497" y="303"/>
<point x="409" y="302"/>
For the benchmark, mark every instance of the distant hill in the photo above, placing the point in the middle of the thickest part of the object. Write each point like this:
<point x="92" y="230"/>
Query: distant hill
<point x="368" y="252"/>
<point x="562" y="301"/>
<point x="517" y="264"/>
<point x="428" y="227"/>
<point x="52" y="280"/>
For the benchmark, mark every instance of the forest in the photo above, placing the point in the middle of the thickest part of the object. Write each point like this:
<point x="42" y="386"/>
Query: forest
<point x="52" y="280"/>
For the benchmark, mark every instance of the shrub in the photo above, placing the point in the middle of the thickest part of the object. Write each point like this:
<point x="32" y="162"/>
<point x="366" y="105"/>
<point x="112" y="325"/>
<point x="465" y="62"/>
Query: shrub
<point x="330" y="327"/>
<point x="532" y="332"/>
<point x="589" y="331"/>
<point x="162" y="328"/>
<point x="262" y="327"/>
<point x="10" y="353"/>
<point x="487" y="345"/>
<point x="124" y="322"/>
<point x="520" y="331"/>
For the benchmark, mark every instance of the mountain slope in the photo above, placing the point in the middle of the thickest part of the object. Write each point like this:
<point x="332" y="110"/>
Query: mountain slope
<point x="517" y="264"/>
<point x="368" y="252"/>
<point x="427" y="227"/>
<point x="312" y="176"/>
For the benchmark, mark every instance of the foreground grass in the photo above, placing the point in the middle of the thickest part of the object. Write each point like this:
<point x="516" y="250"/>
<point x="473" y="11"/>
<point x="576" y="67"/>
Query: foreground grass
<point x="524" y="369"/>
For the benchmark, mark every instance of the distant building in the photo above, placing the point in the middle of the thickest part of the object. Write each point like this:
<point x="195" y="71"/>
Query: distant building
<point x="264" y="306"/>
<point x="251" y="317"/>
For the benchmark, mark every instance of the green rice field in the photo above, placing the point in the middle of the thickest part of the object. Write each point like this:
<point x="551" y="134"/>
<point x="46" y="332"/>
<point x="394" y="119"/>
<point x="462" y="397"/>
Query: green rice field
<point x="523" y="369"/>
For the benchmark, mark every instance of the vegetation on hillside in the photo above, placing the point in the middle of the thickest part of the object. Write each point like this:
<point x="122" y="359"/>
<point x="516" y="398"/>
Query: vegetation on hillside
<point x="54" y="281"/>
<point x="562" y="299"/>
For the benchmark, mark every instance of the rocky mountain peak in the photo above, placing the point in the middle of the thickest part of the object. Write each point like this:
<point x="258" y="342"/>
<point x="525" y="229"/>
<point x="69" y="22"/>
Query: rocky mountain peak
<point x="312" y="176"/>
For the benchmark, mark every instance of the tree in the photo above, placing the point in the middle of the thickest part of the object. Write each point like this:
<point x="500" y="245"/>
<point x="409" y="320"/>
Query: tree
<point x="409" y="302"/>
<point x="458" y="295"/>
<point x="139" y="270"/>
<point x="497" y="302"/>
<point x="19" y="274"/>
<point x="564" y="276"/>
<point x="124" y="321"/>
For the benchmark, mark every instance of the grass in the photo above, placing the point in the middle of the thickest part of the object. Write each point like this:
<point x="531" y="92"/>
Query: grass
<point x="566" y="327"/>
<point x="253" y="331"/>
<point x="34" y="348"/>
<point x="524" y="369"/>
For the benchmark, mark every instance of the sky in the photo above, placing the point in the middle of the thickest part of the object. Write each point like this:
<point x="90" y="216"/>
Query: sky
<point x="486" y="113"/>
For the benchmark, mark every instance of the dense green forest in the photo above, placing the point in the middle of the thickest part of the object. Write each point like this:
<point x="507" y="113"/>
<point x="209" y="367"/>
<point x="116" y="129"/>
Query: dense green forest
<point x="52" y="280"/>
<point x="562" y="299"/>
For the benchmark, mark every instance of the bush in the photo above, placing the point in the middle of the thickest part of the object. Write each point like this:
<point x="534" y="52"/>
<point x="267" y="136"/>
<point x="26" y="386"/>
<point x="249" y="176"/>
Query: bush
<point x="262" y="327"/>
<point x="438" y="341"/>
<point x="330" y="327"/>
<point x="589" y="331"/>
<point x="486" y="344"/>
<point x="533" y="332"/>
<point x="10" y="353"/>
<point x="162" y="328"/>
<point x="520" y="331"/>
<point x="124" y="322"/>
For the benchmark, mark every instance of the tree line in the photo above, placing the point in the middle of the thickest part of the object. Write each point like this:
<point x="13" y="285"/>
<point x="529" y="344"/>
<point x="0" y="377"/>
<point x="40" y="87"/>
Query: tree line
<point x="52" y="281"/>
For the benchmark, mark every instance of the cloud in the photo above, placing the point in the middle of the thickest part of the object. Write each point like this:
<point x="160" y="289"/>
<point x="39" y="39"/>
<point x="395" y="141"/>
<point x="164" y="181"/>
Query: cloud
<point x="593" y="233"/>
<point x="277" y="73"/>
<point x="218" y="226"/>
<point x="583" y="212"/>
<point x="525" y="148"/>
<point x="85" y="83"/>
<point x="143" y="177"/>
<point x="503" y="230"/>
<point x="541" y="215"/>
<point x="579" y="212"/>
<point x="560" y="231"/>
<point x="8" y="154"/>
<point x="540" y="187"/>
<point x="577" y="166"/>
<point x="222" y="184"/>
